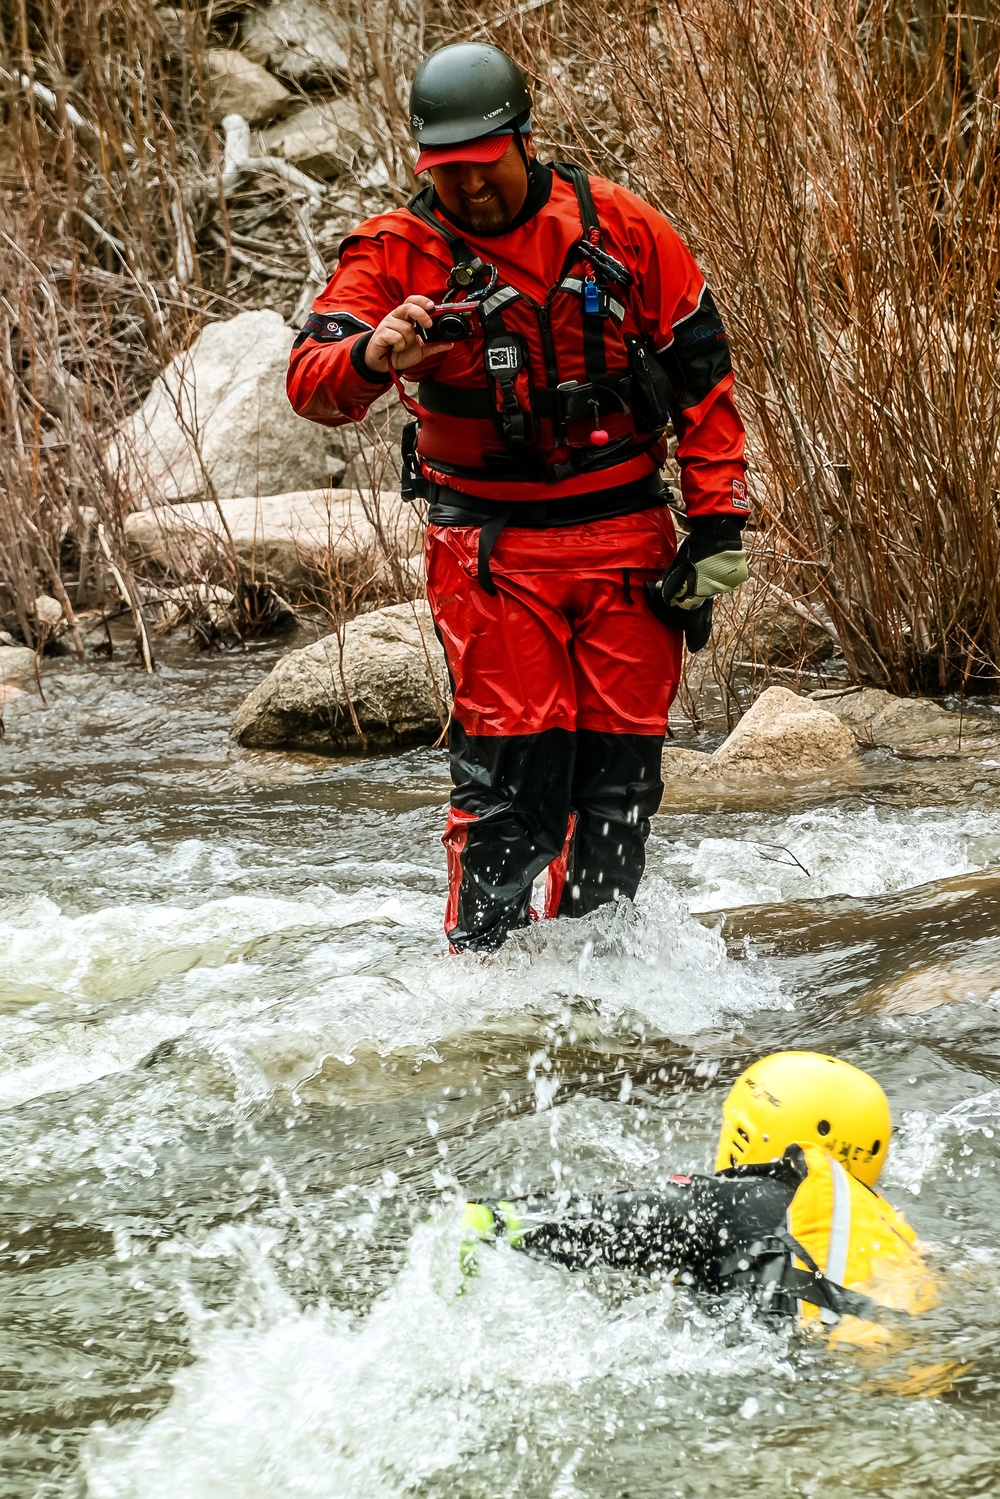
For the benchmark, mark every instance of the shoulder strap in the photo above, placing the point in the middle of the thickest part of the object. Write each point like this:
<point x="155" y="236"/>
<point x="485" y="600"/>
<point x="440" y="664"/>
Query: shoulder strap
<point x="580" y="183"/>
<point x="420" y="206"/>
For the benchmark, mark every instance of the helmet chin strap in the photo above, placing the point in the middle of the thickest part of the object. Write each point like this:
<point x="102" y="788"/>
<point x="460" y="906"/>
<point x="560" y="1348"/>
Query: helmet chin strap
<point x="522" y="119"/>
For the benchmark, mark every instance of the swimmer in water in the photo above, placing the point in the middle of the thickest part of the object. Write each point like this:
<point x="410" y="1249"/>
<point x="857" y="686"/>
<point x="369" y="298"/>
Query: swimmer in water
<point x="790" y="1217"/>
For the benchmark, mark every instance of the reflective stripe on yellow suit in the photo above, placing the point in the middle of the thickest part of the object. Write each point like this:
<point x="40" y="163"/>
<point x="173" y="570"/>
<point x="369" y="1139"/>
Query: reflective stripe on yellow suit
<point x="859" y="1241"/>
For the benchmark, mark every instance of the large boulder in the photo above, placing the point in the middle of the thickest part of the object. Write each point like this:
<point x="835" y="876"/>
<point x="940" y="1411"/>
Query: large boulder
<point x="324" y="140"/>
<point x="239" y="86"/>
<point x="910" y="726"/>
<point x="307" y="540"/>
<point x="303" y="40"/>
<point x="379" y="685"/>
<point x="218" y="417"/>
<point x="781" y="735"/>
<point x="784" y="734"/>
<point x="679" y="763"/>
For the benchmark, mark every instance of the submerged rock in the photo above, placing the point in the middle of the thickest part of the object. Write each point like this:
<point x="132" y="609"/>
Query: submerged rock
<point x="386" y="666"/>
<point x="911" y="726"/>
<point x="298" y="540"/>
<point x="218" y="419"/>
<point x="925" y="988"/>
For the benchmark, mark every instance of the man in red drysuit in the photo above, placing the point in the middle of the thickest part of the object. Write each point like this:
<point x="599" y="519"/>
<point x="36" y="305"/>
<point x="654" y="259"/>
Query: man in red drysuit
<point x="553" y="323"/>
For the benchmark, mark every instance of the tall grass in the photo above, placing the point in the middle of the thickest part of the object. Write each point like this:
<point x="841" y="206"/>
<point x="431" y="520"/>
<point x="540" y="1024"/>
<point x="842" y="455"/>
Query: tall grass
<point x="103" y="122"/>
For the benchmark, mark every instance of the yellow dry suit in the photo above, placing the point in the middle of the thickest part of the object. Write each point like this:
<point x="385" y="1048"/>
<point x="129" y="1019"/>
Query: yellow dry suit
<point x="847" y="1254"/>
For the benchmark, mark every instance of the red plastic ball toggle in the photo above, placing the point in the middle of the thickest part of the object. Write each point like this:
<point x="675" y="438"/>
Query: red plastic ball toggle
<point x="599" y="437"/>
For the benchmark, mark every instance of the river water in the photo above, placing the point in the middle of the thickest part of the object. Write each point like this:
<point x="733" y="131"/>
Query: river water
<point x="244" y="1089"/>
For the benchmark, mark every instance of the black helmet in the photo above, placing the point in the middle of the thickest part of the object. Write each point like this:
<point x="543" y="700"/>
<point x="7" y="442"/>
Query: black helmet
<point x="464" y="91"/>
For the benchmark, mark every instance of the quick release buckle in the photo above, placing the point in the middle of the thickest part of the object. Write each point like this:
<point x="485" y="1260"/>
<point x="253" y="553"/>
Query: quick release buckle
<point x="504" y="360"/>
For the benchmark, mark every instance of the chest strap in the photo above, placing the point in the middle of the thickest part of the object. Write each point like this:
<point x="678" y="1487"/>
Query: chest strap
<point x="768" y="1265"/>
<point x="573" y="401"/>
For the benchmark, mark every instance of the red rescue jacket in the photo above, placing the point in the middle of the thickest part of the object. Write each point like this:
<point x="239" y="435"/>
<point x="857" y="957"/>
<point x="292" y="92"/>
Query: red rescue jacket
<point x="559" y="309"/>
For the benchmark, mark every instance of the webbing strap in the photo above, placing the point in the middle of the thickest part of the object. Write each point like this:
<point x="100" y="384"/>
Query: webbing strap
<point x="769" y="1264"/>
<point x="580" y="183"/>
<point x="420" y="206"/>
<point x="569" y="404"/>
<point x="489" y="535"/>
<point x="594" y="353"/>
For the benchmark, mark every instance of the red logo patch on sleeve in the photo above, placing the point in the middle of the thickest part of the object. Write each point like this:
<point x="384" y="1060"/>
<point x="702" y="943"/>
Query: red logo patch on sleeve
<point x="740" y="501"/>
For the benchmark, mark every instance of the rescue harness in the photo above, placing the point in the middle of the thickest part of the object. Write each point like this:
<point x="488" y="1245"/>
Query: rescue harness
<point x="517" y="405"/>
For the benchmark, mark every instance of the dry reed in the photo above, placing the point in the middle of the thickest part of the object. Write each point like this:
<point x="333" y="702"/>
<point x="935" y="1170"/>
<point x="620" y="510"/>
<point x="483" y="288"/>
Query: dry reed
<point x="833" y="166"/>
<point x="836" y="169"/>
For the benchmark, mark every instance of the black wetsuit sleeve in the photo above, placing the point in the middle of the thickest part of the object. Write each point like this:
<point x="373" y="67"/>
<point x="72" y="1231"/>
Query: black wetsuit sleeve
<point x="693" y="1227"/>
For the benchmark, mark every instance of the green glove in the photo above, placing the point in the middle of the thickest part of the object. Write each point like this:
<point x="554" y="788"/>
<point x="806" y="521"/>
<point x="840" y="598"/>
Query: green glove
<point x="482" y="1223"/>
<point x="709" y="561"/>
<point x="719" y="573"/>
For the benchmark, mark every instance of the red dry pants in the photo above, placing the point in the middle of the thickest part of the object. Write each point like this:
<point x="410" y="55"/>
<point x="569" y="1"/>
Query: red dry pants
<point x="562" y="684"/>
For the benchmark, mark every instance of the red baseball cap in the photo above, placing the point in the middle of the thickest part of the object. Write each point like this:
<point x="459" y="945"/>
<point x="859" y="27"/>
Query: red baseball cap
<point x="483" y="149"/>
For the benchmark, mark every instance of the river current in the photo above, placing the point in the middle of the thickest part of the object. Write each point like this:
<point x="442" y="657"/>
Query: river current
<point x="244" y="1091"/>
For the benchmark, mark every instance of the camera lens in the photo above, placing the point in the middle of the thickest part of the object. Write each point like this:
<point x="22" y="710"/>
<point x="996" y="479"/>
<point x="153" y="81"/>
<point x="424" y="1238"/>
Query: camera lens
<point x="449" y="326"/>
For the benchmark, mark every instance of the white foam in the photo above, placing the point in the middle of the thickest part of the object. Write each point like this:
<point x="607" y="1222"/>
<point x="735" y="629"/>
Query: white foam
<point x="827" y="851"/>
<point x="652" y="962"/>
<point x="920" y="1140"/>
<point x="121" y="950"/>
<point x="653" y="965"/>
<point x="320" y="1404"/>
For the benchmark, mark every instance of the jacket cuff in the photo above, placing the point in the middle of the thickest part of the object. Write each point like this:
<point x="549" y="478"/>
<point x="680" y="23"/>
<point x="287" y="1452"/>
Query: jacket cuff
<point x="374" y="377"/>
<point x="714" y="533"/>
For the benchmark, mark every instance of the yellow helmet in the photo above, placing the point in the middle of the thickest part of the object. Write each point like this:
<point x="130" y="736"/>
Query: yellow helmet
<point x="805" y="1098"/>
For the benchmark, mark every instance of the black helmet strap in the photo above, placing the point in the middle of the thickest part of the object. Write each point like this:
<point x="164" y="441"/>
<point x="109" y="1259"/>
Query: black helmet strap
<point x="515" y="125"/>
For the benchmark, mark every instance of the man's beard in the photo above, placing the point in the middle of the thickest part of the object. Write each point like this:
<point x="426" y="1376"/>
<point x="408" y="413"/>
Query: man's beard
<point x="485" y="218"/>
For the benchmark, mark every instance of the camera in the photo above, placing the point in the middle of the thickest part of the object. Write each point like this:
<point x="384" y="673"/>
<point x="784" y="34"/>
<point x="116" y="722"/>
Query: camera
<point x="449" y="323"/>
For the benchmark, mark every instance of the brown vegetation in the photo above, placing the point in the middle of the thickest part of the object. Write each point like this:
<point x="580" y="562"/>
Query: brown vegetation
<point x="835" y="167"/>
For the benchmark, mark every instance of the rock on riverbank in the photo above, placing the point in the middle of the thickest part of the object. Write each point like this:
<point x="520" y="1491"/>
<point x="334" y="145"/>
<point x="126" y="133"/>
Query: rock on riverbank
<point x="381" y="685"/>
<point x="218" y="419"/>
<point x="298" y="540"/>
<point x="17" y="664"/>
<point x="909" y="726"/>
<point x="785" y="735"/>
<point x="781" y="735"/>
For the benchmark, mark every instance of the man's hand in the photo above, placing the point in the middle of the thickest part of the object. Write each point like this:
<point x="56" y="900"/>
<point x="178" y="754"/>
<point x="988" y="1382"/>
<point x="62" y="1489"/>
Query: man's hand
<point x="396" y="337"/>
<point x="710" y="561"/>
